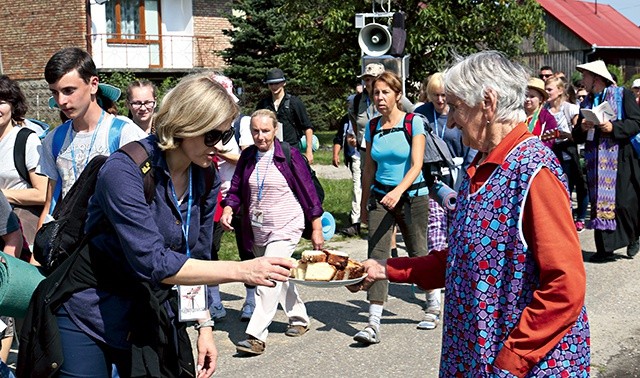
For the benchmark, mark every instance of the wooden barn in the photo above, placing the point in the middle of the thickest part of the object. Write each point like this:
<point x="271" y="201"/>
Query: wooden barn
<point x="583" y="31"/>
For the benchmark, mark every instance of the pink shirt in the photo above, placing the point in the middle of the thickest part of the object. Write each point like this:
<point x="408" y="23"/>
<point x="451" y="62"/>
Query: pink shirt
<point x="282" y="216"/>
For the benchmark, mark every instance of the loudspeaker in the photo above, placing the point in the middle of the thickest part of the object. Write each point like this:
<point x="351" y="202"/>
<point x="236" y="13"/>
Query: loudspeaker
<point x="374" y="39"/>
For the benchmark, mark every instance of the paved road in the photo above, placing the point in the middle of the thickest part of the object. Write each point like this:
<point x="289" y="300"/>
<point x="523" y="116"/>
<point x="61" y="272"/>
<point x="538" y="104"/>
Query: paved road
<point x="328" y="349"/>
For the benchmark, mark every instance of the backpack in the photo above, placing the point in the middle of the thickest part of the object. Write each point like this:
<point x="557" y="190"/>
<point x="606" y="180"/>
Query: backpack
<point x="436" y="152"/>
<point x="286" y="149"/>
<point x="20" y="153"/>
<point x="56" y="240"/>
<point x="60" y="134"/>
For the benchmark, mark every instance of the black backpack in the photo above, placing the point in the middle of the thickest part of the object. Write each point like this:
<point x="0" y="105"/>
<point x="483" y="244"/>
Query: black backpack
<point x="286" y="149"/>
<point x="58" y="239"/>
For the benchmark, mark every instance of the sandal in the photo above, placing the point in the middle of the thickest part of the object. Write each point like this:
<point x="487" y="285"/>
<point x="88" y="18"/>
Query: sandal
<point x="368" y="335"/>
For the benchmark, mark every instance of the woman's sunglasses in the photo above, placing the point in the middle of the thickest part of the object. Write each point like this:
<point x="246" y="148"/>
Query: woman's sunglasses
<point x="212" y="137"/>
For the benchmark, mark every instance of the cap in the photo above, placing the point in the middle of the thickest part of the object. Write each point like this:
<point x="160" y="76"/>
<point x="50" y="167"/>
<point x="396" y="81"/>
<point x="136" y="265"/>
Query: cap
<point x="372" y="69"/>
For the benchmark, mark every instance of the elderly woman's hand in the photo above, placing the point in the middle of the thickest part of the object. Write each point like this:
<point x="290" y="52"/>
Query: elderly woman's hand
<point x="376" y="270"/>
<point x="317" y="239"/>
<point x="587" y="125"/>
<point x="265" y="271"/>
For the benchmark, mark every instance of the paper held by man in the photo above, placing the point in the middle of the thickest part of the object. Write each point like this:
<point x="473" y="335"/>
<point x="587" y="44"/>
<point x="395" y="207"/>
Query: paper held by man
<point x="599" y="114"/>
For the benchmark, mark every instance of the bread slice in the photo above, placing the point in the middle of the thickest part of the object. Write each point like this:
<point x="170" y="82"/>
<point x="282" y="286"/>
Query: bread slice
<point x="320" y="271"/>
<point x="353" y="270"/>
<point x="313" y="256"/>
<point x="337" y="259"/>
<point x="300" y="270"/>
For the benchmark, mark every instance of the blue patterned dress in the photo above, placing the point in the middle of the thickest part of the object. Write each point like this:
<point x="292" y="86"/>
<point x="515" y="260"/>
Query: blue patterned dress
<point x="491" y="275"/>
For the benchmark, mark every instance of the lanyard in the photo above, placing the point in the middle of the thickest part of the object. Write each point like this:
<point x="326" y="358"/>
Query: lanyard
<point x="185" y="225"/>
<point x="534" y="119"/>
<point x="261" y="185"/>
<point x="598" y="99"/>
<point x="436" y="125"/>
<point x="73" y="150"/>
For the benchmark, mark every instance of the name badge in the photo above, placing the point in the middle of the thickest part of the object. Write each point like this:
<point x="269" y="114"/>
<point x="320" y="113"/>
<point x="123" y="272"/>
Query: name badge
<point x="192" y="302"/>
<point x="257" y="218"/>
<point x="590" y="134"/>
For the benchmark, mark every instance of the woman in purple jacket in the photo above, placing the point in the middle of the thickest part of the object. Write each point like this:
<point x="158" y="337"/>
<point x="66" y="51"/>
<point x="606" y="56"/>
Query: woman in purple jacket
<point x="277" y="202"/>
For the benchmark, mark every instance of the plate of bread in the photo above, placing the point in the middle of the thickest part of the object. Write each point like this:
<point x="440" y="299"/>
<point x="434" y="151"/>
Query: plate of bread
<point x="326" y="268"/>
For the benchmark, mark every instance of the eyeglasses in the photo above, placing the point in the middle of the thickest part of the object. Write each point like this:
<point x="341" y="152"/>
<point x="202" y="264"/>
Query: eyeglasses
<point x="545" y="76"/>
<point x="147" y="104"/>
<point x="212" y="137"/>
<point x="582" y="97"/>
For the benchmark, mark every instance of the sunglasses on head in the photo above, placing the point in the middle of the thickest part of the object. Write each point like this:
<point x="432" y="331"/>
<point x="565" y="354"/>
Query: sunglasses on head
<point x="212" y="137"/>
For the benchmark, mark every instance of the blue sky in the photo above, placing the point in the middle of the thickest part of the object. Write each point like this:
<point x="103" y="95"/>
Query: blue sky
<point x="629" y="8"/>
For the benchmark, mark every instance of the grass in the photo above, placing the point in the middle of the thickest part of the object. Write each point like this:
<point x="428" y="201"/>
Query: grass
<point x="324" y="155"/>
<point x="337" y="201"/>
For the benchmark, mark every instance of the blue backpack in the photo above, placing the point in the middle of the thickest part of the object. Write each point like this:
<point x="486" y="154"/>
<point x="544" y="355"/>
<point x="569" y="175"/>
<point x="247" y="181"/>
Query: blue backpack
<point x="59" y="135"/>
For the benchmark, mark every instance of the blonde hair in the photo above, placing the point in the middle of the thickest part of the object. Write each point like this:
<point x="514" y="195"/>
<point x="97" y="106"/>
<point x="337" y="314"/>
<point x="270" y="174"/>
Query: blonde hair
<point x="266" y="113"/>
<point x="196" y="105"/>
<point x="436" y="81"/>
<point x="559" y="83"/>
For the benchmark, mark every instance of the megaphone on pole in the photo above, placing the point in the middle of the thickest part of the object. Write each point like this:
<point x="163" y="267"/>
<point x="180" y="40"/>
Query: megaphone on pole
<point x="374" y="39"/>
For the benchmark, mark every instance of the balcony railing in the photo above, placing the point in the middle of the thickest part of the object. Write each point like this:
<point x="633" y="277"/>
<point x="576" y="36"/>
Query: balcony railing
<point x="153" y="51"/>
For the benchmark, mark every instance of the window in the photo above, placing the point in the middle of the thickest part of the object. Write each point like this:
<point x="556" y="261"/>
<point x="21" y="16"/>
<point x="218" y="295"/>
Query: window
<point x="131" y="20"/>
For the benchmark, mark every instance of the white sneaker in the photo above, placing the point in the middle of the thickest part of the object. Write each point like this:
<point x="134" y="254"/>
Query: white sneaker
<point x="217" y="312"/>
<point x="247" y="311"/>
<point x="430" y="321"/>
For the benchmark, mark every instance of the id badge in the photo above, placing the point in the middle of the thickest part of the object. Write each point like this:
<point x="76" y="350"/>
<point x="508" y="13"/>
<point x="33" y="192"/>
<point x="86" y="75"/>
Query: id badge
<point x="192" y="302"/>
<point x="257" y="218"/>
<point x="590" y="134"/>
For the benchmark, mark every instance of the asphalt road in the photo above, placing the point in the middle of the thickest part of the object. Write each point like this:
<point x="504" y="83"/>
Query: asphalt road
<point x="329" y="350"/>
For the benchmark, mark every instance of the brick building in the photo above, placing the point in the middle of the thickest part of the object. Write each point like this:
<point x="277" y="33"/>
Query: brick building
<point x="151" y="38"/>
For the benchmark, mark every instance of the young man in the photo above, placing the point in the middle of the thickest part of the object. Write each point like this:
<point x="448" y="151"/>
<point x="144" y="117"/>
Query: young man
<point x="545" y="72"/>
<point x="90" y="131"/>
<point x="291" y="113"/>
<point x="345" y="140"/>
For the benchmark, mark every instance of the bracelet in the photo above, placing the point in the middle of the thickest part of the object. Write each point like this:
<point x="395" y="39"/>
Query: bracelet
<point x="208" y="323"/>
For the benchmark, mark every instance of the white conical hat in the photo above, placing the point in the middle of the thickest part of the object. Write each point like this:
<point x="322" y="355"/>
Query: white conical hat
<point x="597" y="67"/>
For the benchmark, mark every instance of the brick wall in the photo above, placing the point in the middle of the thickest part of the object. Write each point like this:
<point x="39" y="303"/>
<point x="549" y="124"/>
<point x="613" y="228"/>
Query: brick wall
<point x="209" y="19"/>
<point x="33" y="30"/>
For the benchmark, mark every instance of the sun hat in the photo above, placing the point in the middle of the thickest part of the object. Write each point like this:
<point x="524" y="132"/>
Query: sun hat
<point x="106" y="90"/>
<point x="636" y="83"/>
<point x="275" y="76"/>
<point x="372" y="69"/>
<point x="227" y="84"/>
<point x="597" y="67"/>
<point x="538" y="85"/>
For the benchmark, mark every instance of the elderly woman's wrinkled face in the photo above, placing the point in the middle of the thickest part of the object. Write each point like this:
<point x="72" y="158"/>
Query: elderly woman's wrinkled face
<point x="263" y="132"/>
<point x="532" y="101"/>
<point x="469" y="120"/>
<point x="384" y="97"/>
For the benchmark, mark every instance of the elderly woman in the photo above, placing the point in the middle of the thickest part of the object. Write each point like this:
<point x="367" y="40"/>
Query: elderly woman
<point x="513" y="273"/>
<point x="279" y="197"/>
<point x="113" y="301"/>
<point x="613" y="167"/>
<point x="394" y="192"/>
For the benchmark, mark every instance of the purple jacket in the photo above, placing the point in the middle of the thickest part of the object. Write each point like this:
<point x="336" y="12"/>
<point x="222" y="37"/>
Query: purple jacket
<point x="299" y="181"/>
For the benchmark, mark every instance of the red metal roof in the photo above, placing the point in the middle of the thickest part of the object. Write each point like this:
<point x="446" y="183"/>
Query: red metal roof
<point x="607" y="28"/>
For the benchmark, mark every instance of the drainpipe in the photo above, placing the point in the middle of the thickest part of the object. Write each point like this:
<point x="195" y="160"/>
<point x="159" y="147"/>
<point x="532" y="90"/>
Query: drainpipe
<point x="593" y="51"/>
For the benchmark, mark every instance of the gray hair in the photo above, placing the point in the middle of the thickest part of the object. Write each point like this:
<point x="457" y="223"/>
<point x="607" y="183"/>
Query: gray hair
<point x="471" y="77"/>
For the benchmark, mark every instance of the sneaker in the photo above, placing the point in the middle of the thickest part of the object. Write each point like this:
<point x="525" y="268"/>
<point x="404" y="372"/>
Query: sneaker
<point x="369" y="335"/>
<point x="296" y="330"/>
<point x="579" y="226"/>
<point x="351" y="231"/>
<point x="430" y="321"/>
<point x="217" y="312"/>
<point x="251" y="346"/>
<point x="602" y="257"/>
<point x="247" y="311"/>
<point x="632" y="249"/>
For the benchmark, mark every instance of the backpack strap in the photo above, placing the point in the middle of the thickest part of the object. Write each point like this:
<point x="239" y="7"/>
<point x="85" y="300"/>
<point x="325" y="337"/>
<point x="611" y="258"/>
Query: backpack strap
<point x="408" y="126"/>
<point x="373" y="123"/>
<point x="20" y="153"/>
<point x="286" y="150"/>
<point x="236" y="128"/>
<point x="114" y="134"/>
<point x="59" y="135"/>
<point x="140" y="156"/>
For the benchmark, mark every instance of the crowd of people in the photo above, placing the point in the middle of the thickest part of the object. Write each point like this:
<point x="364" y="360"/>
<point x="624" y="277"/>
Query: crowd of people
<point x="514" y="303"/>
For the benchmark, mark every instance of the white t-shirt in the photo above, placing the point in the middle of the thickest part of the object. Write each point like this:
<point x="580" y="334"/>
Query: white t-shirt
<point x="9" y="177"/>
<point x="246" y="139"/>
<point x="567" y="109"/>
<point x="79" y="148"/>
<point x="225" y="168"/>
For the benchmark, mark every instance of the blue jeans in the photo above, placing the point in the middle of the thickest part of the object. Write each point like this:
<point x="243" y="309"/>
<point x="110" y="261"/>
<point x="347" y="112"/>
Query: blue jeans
<point x="86" y="357"/>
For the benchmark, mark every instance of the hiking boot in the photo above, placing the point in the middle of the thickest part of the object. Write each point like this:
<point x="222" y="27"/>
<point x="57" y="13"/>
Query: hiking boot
<point x="579" y="226"/>
<point x="296" y="330"/>
<point x="602" y="257"/>
<point x="217" y="312"/>
<point x="351" y="231"/>
<point x="251" y="346"/>
<point x="247" y="311"/>
<point x="369" y="335"/>
<point x="632" y="249"/>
